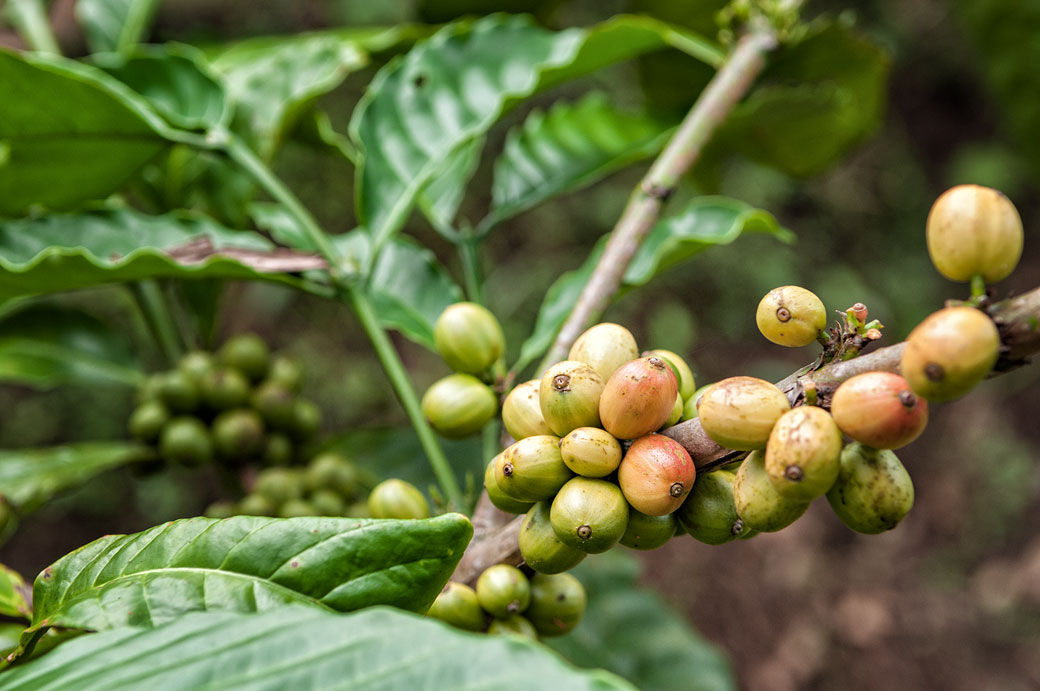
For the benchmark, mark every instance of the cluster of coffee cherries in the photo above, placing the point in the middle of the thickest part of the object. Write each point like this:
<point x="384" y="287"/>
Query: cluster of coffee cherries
<point x="470" y="339"/>
<point x="587" y="467"/>
<point x="238" y="405"/>
<point x="507" y="601"/>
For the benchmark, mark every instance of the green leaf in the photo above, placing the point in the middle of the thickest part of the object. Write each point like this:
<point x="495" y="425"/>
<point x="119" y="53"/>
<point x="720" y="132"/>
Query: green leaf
<point x="704" y="223"/>
<point x="571" y="146"/>
<point x="632" y="632"/>
<point x="817" y="98"/>
<point x="45" y="346"/>
<point x="301" y="648"/>
<point x="13" y="592"/>
<point x="30" y="477"/>
<point x="68" y="133"/>
<point x="449" y="90"/>
<point x="175" y="81"/>
<point x="114" y="25"/>
<point x="249" y="564"/>
<point x="65" y="252"/>
<point x="441" y="198"/>
<point x="10" y="635"/>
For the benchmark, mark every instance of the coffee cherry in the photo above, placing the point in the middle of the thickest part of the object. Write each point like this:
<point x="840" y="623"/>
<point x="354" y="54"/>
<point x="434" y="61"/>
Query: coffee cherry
<point x="279" y="485"/>
<point x="758" y="503"/>
<point x="468" y="337"/>
<point x="522" y="411"/>
<point x="148" y="420"/>
<point x="501" y="500"/>
<point x="459" y="405"/>
<point x="503" y="590"/>
<point x="676" y="414"/>
<point x="532" y="469"/>
<point x="178" y="391"/>
<point x="238" y="434"/>
<point x="224" y="387"/>
<point x="196" y="365"/>
<point x="275" y="403"/>
<point x="286" y="372"/>
<point x="880" y="410"/>
<point x="638" y="398"/>
<point x="873" y="492"/>
<point x="605" y="347"/>
<point x="569" y="396"/>
<point x="515" y="625"/>
<point x="791" y="316"/>
<point x="539" y="546"/>
<point x="709" y="514"/>
<point x="306" y="419"/>
<point x="690" y="406"/>
<point x="590" y="515"/>
<point x="656" y="474"/>
<point x="591" y="452"/>
<point x="278" y="449"/>
<point x="186" y="440"/>
<point x="802" y="453"/>
<point x="328" y="503"/>
<point x="149" y="389"/>
<point x="248" y="354"/>
<point x="974" y="230"/>
<point x="557" y="603"/>
<point x="256" y="505"/>
<point x="334" y="472"/>
<point x="457" y="605"/>
<point x="950" y="352"/>
<point x="221" y="509"/>
<point x="739" y="412"/>
<point x="397" y="499"/>
<point x="647" y="532"/>
<point x="297" y="508"/>
<point x="683" y="373"/>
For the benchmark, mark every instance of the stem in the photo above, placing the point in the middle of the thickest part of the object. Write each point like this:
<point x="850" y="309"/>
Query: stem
<point x="156" y="313"/>
<point x="30" y="19"/>
<point x="137" y="19"/>
<point x="978" y="287"/>
<point x="398" y="376"/>
<point x="726" y="88"/>
<point x="469" y="253"/>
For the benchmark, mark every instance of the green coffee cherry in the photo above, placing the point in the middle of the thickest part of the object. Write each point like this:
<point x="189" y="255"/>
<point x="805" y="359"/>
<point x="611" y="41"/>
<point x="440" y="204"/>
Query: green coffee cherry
<point x="223" y="388"/>
<point x="532" y="469"/>
<point x="196" y="365"/>
<point x="238" y="434"/>
<point x="791" y="316"/>
<point x="333" y="471"/>
<point x="275" y="403"/>
<point x="503" y="590"/>
<point x="569" y="395"/>
<point x="147" y="421"/>
<point x="974" y="230"/>
<point x="676" y="414"/>
<point x="296" y="508"/>
<point x="739" y="412"/>
<point x="278" y="449"/>
<point x="709" y="514"/>
<point x="149" y="389"/>
<point x="256" y="505"/>
<point x="286" y="372"/>
<point x="802" y="453"/>
<point x="459" y="405"/>
<point x="681" y="370"/>
<point x="591" y="452"/>
<point x="279" y="485"/>
<point x="468" y="337"/>
<point x="873" y="492"/>
<point x="758" y="503"/>
<point x="306" y="419"/>
<point x="457" y="605"/>
<point x="328" y="503"/>
<point x="605" y="347"/>
<point x="539" y="546"/>
<point x="359" y="509"/>
<point x="648" y="532"/>
<point x="500" y="499"/>
<point x="178" y="391"/>
<point x="397" y="499"/>
<point x="690" y="405"/>
<point x="950" y="352"/>
<point x="588" y="514"/>
<point x="186" y="440"/>
<point x="221" y="509"/>
<point x="248" y="353"/>
<point x="557" y="603"/>
<point x="522" y="411"/>
<point x="515" y="625"/>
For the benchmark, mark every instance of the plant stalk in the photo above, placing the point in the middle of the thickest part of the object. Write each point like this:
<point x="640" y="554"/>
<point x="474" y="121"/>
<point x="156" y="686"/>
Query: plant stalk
<point x="150" y="300"/>
<point x="469" y="253"/>
<point x="30" y="18"/>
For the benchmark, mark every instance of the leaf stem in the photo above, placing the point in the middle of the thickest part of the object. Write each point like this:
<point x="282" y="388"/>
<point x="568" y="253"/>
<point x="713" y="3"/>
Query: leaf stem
<point x="30" y="19"/>
<point x="722" y="93"/>
<point x="398" y="376"/>
<point x="469" y="252"/>
<point x="149" y="298"/>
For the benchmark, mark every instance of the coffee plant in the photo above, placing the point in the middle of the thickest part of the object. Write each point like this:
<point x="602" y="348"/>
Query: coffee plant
<point x="155" y="168"/>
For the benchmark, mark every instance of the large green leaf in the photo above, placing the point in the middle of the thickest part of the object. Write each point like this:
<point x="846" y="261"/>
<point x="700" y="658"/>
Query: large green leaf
<point x="815" y="100"/>
<point x="112" y="25"/>
<point x="704" y="223"/>
<point x="249" y="564"/>
<point x="30" y="477"/>
<point x="305" y="650"/>
<point x="449" y="90"/>
<point x="69" y="251"/>
<point x="175" y="81"/>
<point x="13" y="594"/>
<point x="442" y="196"/>
<point x="43" y="346"/>
<point x="68" y="133"/>
<point x="632" y="632"/>
<point x="571" y="146"/>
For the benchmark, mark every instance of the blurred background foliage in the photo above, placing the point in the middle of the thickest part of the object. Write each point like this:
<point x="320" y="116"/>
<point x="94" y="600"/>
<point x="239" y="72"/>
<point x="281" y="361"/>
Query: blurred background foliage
<point x="949" y="600"/>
